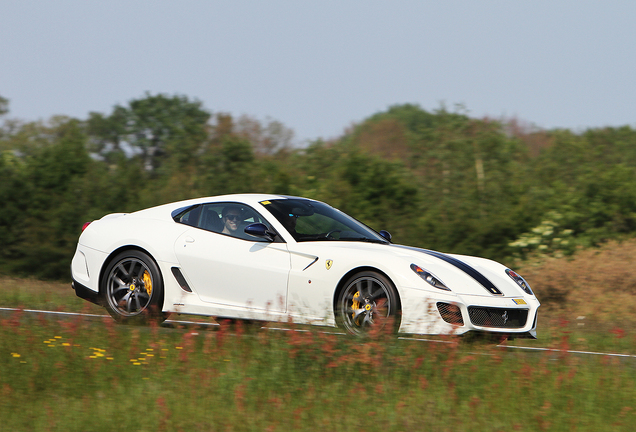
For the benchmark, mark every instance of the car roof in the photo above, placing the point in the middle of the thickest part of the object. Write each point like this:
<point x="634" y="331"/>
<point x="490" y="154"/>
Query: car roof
<point x="246" y="198"/>
<point x="165" y="210"/>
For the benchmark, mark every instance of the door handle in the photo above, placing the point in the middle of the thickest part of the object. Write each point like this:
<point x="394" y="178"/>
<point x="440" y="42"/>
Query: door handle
<point x="189" y="239"/>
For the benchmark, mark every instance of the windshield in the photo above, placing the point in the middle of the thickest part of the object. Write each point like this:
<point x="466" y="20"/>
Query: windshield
<point x="308" y="220"/>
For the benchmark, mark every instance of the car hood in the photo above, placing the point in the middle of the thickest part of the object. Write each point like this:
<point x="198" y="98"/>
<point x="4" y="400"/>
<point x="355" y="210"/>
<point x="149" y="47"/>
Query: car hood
<point x="466" y="274"/>
<point x="463" y="274"/>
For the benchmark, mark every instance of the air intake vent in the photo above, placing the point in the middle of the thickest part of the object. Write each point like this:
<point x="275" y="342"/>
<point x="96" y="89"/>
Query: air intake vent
<point x="496" y="317"/>
<point x="450" y="313"/>
<point x="180" y="279"/>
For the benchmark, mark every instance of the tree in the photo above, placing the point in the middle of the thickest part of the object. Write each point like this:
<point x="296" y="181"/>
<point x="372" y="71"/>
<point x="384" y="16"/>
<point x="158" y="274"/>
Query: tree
<point x="156" y="128"/>
<point x="230" y="167"/>
<point x="14" y="204"/>
<point x="266" y="139"/>
<point x="51" y="213"/>
<point x="4" y="106"/>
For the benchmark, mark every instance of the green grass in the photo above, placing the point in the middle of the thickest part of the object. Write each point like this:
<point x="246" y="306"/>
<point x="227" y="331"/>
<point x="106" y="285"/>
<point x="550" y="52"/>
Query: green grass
<point x="78" y="374"/>
<point x="35" y="294"/>
<point x="87" y="374"/>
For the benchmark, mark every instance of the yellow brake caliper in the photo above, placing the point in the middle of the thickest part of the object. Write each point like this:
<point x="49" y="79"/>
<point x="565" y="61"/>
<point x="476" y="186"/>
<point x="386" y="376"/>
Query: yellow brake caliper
<point x="355" y="304"/>
<point x="148" y="282"/>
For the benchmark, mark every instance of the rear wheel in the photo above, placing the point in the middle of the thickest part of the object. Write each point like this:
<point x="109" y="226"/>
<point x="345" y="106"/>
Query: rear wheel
<point x="368" y="301"/>
<point x="132" y="288"/>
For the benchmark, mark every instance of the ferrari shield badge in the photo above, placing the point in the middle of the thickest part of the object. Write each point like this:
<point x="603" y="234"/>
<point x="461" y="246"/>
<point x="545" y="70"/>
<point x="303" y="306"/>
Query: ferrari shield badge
<point x="328" y="264"/>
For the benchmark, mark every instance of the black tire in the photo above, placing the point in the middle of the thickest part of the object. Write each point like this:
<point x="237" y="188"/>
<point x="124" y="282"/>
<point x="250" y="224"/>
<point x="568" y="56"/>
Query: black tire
<point x="368" y="301"/>
<point x="132" y="288"/>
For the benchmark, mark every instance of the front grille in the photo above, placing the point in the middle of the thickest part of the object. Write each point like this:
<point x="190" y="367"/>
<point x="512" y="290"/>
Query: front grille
<point x="498" y="317"/>
<point x="450" y="313"/>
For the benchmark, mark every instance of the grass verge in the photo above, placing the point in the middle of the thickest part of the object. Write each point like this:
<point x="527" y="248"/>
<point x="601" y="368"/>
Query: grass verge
<point x="91" y="374"/>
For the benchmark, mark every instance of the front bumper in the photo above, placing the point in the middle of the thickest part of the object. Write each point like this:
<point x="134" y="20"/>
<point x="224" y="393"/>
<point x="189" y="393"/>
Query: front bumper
<point x="429" y="312"/>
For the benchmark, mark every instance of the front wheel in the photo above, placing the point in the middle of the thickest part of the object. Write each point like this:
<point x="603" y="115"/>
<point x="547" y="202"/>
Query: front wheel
<point x="132" y="288"/>
<point x="368" y="301"/>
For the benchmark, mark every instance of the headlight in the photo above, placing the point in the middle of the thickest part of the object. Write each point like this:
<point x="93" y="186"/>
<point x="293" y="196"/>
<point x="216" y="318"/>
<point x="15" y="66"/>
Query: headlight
<point x="520" y="281"/>
<point x="432" y="280"/>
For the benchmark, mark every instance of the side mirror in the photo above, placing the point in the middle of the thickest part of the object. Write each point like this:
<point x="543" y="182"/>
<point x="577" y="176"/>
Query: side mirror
<point x="386" y="235"/>
<point x="260" y="230"/>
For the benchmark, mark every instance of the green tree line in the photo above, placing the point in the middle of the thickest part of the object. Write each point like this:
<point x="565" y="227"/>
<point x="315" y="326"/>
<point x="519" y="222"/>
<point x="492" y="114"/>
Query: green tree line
<point x="440" y="180"/>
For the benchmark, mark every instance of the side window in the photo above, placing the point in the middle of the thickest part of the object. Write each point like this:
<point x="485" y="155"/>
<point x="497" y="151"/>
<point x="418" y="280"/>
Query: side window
<point x="210" y="218"/>
<point x="224" y="218"/>
<point x="189" y="216"/>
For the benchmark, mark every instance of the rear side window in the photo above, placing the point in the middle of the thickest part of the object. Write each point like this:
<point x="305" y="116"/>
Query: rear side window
<point x="188" y="216"/>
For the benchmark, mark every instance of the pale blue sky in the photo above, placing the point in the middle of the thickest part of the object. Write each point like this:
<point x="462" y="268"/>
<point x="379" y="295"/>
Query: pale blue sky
<point x="318" y="66"/>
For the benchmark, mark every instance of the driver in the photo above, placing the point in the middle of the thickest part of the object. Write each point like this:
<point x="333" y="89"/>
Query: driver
<point x="289" y="222"/>
<point x="231" y="219"/>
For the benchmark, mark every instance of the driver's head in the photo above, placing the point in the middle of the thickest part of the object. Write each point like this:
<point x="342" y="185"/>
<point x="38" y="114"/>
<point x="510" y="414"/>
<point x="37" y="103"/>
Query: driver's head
<point x="231" y="219"/>
<point x="289" y="221"/>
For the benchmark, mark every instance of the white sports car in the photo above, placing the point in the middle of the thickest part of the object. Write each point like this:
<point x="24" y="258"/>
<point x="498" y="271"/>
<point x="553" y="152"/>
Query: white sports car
<point x="276" y="258"/>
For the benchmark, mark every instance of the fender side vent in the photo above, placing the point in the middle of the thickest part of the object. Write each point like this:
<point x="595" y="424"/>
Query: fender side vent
<point x="180" y="279"/>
